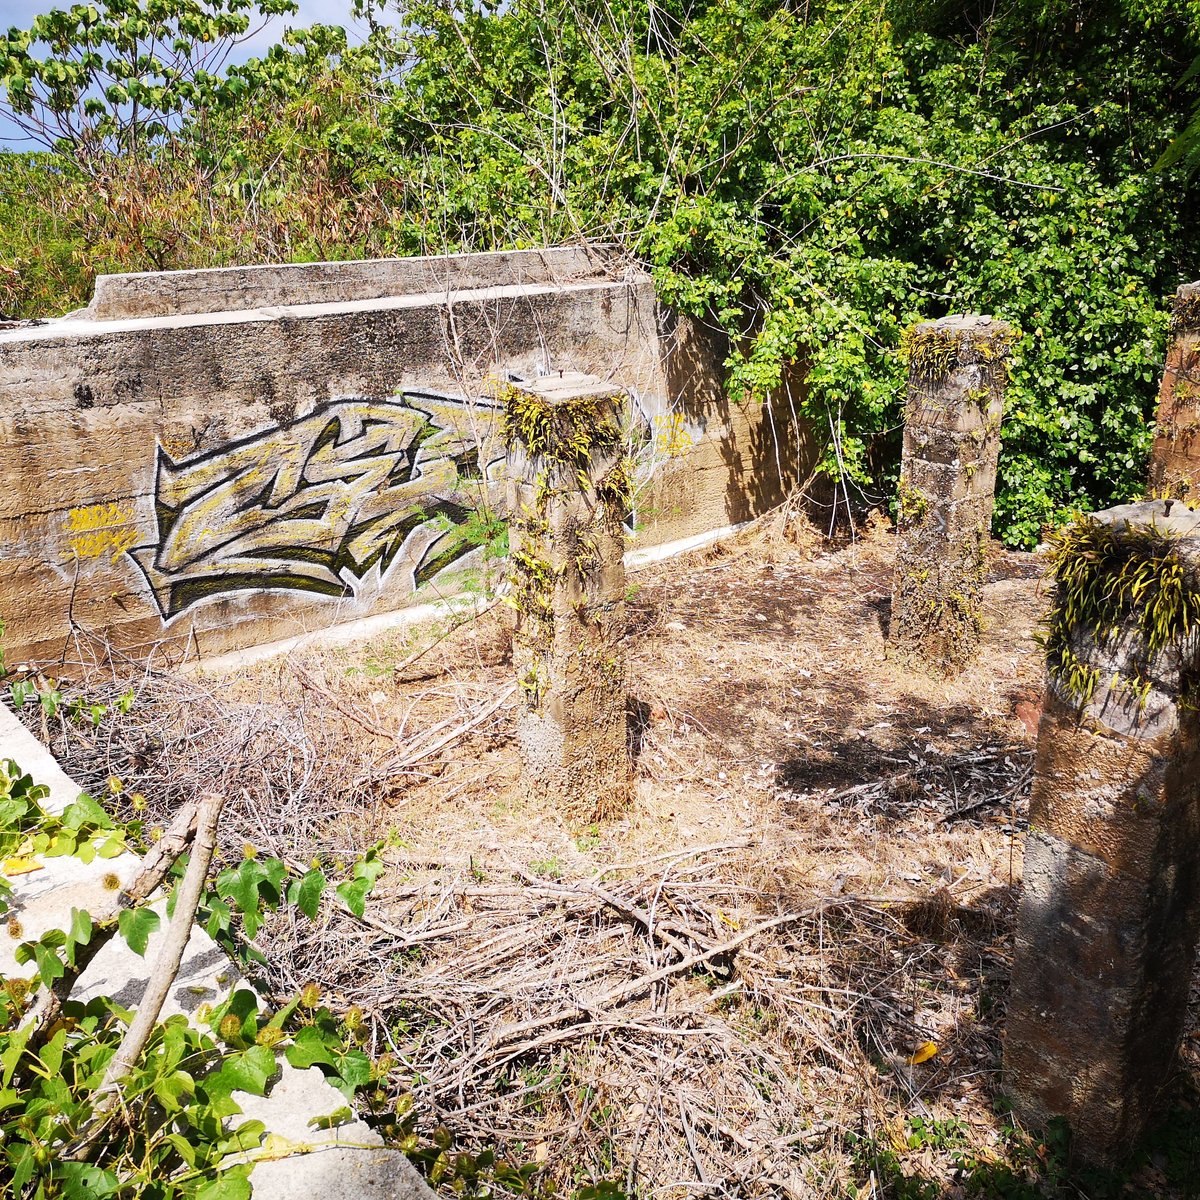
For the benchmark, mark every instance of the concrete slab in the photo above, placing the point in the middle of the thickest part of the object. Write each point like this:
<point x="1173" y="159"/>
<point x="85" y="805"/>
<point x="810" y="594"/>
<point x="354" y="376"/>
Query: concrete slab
<point x="161" y="293"/>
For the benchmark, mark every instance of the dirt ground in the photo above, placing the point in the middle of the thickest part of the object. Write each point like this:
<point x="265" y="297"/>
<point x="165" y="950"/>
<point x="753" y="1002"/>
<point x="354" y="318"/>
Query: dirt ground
<point x="781" y="972"/>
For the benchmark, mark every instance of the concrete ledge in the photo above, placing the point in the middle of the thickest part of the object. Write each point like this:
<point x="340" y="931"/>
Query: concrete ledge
<point x="222" y="289"/>
<point x="87" y="326"/>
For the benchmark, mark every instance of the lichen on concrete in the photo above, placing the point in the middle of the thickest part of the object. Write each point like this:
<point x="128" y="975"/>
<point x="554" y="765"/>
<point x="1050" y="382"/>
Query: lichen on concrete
<point x="569" y="493"/>
<point x="957" y="376"/>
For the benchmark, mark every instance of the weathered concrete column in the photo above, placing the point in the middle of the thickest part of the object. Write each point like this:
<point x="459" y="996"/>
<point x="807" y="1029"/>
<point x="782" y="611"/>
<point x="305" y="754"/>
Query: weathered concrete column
<point x="568" y="495"/>
<point x="1175" y="460"/>
<point x="1107" y="928"/>
<point x="957" y="373"/>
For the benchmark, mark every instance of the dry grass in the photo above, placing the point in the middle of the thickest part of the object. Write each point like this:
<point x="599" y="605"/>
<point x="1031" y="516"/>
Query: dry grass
<point x="718" y="993"/>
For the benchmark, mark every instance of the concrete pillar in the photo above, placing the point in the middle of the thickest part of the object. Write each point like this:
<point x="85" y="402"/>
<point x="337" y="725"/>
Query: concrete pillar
<point x="1175" y="460"/>
<point x="956" y="378"/>
<point x="1107" y="928"/>
<point x="568" y="495"/>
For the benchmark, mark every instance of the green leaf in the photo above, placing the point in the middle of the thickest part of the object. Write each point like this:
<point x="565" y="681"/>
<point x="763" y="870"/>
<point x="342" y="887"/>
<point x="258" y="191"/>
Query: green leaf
<point x="11" y="1054"/>
<point x="306" y="893"/>
<point x="354" y="893"/>
<point x="136" y="925"/>
<point x="112" y="846"/>
<point x="355" y="1068"/>
<point x="339" y="1116"/>
<point x="244" y="1071"/>
<point x="174" y="1089"/>
<point x="52" y="1052"/>
<point x="240" y="886"/>
<point x="229" y="1185"/>
<point x="79" y="934"/>
<point x="85" y="813"/>
<point x="44" y="953"/>
<point x="308" y="1048"/>
<point x="83" y="1181"/>
<point x="246" y="1136"/>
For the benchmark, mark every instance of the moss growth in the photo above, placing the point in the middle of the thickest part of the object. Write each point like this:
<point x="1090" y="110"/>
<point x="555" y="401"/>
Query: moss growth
<point x="911" y="503"/>
<point x="1185" y="314"/>
<point x="616" y="487"/>
<point x="560" y="435"/>
<point x="1109" y="582"/>
<point x="931" y="352"/>
<point x="533" y="582"/>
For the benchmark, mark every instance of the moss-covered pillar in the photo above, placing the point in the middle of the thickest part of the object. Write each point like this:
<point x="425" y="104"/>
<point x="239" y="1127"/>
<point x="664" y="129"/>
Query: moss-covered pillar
<point x="1107" y="928"/>
<point x="956" y="378"/>
<point x="568" y="497"/>
<point x="1175" y="461"/>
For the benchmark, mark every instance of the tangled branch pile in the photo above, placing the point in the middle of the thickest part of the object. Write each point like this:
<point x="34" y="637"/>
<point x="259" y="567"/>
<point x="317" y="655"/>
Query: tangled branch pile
<point x="737" y="1011"/>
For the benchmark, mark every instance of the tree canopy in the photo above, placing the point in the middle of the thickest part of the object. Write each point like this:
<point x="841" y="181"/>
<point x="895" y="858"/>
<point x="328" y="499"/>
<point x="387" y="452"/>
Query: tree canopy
<point x="810" y="177"/>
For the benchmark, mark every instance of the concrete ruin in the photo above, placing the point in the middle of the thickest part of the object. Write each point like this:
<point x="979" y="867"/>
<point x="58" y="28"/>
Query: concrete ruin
<point x="957" y="373"/>
<point x="1110" y="913"/>
<point x="1175" y="459"/>
<point x="569" y="495"/>
<point x="208" y="460"/>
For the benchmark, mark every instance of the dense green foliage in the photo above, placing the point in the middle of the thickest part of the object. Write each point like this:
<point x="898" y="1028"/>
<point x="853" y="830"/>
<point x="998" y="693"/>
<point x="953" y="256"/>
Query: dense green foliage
<point x="812" y="178"/>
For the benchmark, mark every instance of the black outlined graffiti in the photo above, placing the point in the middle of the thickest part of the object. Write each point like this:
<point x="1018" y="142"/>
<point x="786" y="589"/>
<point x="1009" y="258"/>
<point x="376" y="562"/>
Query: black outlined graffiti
<point x="319" y="504"/>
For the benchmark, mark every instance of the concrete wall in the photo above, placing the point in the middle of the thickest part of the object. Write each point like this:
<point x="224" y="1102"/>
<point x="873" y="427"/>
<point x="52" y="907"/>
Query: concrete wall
<point x="208" y="460"/>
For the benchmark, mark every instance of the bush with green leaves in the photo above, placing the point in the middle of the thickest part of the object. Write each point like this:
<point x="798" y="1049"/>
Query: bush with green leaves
<point x="812" y="179"/>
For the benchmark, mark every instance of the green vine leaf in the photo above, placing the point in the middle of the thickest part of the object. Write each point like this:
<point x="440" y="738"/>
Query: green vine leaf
<point x="136" y="925"/>
<point x="305" y="893"/>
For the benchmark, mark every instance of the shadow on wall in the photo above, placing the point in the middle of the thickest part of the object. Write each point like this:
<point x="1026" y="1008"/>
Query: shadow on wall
<point x="762" y="447"/>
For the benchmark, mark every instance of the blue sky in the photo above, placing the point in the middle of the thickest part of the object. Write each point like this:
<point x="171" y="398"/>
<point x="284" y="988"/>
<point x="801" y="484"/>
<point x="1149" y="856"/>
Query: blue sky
<point x="325" y="12"/>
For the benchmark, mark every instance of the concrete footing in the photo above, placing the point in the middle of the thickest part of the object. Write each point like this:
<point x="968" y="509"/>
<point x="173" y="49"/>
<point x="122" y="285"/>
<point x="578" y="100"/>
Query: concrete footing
<point x="1175" y="461"/>
<point x="956" y="380"/>
<point x="568" y="496"/>
<point x="1108" y="922"/>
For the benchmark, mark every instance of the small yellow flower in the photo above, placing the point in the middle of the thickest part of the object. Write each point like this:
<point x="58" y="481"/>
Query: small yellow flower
<point x="111" y="881"/>
<point x="138" y="801"/>
<point x="249" y="851"/>
<point x="268" y="1036"/>
<point x="354" y="1018"/>
<point x="230" y="1026"/>
<point x="310" y="995"/>
<point x="115" y="785"/>
<point x="204" y="1011"/>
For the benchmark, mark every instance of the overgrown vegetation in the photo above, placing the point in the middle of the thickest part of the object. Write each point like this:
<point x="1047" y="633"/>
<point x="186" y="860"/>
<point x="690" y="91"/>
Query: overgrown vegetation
<point x="812" y="178"/>
<point x="1110" y="581"/>
<point x="174" y="1133"/>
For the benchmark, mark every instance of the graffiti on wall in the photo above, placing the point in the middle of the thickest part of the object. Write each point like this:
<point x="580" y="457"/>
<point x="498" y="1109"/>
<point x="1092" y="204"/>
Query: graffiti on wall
<point x="320" y="504"/>
<point x="101" y="530"/>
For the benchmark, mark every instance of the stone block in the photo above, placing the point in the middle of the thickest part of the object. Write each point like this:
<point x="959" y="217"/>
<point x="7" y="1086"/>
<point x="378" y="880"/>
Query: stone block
<point x="348" y="1160"/>
<point x="1107" y="929"/>
<point x="568" y="495"/>
<point x="957" y="375"/>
